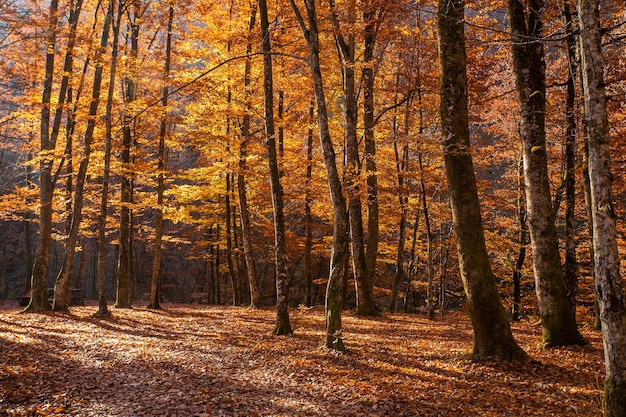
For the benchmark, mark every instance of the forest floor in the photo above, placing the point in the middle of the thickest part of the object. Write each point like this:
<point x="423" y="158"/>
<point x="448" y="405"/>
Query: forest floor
<point x="192" y="360"/>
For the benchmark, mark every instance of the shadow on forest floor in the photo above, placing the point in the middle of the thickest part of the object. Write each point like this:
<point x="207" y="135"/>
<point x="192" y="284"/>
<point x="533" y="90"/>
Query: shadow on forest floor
<point x="223" y="361"/>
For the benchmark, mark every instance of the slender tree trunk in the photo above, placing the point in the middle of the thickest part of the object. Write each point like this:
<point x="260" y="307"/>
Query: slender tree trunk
<point x="522" y="242"/>
<point x="401" y="166"/>
<point x="282" y="281"/>
<point x="608" y="282"/>
<point x="234" y="282"/>
<point x="365" y="304"/>
<point x="370" y="32"/>
<point x="430" y="265"/>
<point x="557" y="317"/>
<point x="28" y="247"/>
<point x="39" y="281"/>
<point x="104" y="199"/>
<point x="571" y="265"/>
<point x="308" y="217"/>
<point x="63" y="280"/>
<point x="340" y="246"/>
<point x="492" y="334"/>
<point x="256" y="298"/>
<point x="155" y="293"/>
<point x="124" y="264"/>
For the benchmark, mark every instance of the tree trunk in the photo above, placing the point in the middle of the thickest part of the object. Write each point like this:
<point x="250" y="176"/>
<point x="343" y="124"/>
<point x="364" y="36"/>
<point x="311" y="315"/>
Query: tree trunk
<point x="609" y="286"/>
<point x="308" y="217"/>
<point x="155" y="293"/>
<point x="492" y="334"/>
<point x="280" y="245"/>
<point x="365" y="305"/>
<point x="401" y="166"/>
<point x="104" y="199"/>
<point x="234" y="281"/>
<point x="244" y="212"/>
<point x="557" y="317"/>
<point x="340" y="246"/>
<point x="62" y="284"/>
<point x="124" y="264"/>
<point x="571" y="265"/>
<point x="371" y="176"/>
<point x="522" y="242"/>
<point x="39" y="281"/>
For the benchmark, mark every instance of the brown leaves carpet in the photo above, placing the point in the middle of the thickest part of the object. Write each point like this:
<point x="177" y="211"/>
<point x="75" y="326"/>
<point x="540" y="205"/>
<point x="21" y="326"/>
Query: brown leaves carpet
<point x="191" y="360"/>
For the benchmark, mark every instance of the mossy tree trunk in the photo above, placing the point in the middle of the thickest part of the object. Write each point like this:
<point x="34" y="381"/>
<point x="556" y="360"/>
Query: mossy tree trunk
<point x="608" y="282"/>
<point x="492" y="333"/>
<point x="365" y="305"/>
<point x="341" y="240"/>
<point x="557" y="316"/>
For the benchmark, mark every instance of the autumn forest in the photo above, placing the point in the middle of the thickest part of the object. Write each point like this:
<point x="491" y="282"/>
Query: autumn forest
<point x="391" y="197"/>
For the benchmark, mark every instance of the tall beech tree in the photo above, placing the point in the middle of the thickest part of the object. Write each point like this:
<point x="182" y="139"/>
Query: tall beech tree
<point x="365" y="304"/>
<point x="558" y="320"/>
<point x="244" y="210"/>
<point x="608" y="283"/>
<point x="155" y="293"/>
<point x="62" y="285"/>
<point x="570" y="269"/>
<point x="341" y="241"/>
<point x="39" y="281"/>
<point x="492" y="333"/>
<point x="280" y="245"/>
<point x="124" y="262"/>
<point x="108" y="143"/>
<point x="372" y="15"/>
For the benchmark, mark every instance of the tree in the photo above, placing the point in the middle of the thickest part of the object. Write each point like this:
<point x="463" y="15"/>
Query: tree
<point x="608" y="282"/>
<point x="365" y="304"/>
<point x="492" y="334"/>
<point x="124" y="263"/>
<point x="280" y="246"/>
<point x="101" y="234"/>
<point x="62" y="285"/>
<point x="557" y="316"/>
<point x="244" y="210"/>
<point x="39" y="282"/>
<point x="155" y="293"/>
<point x="372" y="15"/>
<point x="340" y="245"/>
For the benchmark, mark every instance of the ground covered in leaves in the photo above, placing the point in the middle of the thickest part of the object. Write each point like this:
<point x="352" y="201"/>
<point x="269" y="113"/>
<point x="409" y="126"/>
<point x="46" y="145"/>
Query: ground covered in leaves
<point x="191" y="360"/>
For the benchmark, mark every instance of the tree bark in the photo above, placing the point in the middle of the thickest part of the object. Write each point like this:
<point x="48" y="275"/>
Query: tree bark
<point x="370" y="32"/>
<point x="308" y="216"/>
<point x="63" y="280"/>
<point x="570" y="269"/>
<point x="365" y="305"/>
<point x="280" y="245"/>
<point x="39" y="281"/>
<point x="401" y="167"/>
<point x="492" y="333"/>
<point x="244" y="211"/>
<point x="557" y="318"/>
<point x="124" y="263"/>
<point x="340" y="246"/>
<point x="608" y="283"/>
<point x="522" y="242"/>
<point x="158" y="233"/>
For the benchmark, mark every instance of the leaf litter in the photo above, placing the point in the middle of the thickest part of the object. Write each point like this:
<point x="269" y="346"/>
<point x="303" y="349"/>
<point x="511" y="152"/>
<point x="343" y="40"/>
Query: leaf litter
<point x="192" y="360"/>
